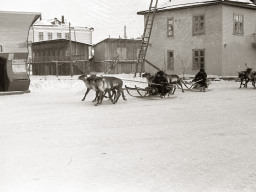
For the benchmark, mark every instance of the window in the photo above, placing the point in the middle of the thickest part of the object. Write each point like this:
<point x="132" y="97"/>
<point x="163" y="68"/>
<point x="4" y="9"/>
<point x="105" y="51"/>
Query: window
<point x="58" y="35"/>
<point x="170" y="27"/>
<point x="49" y="36"/>
<point x="41" y="36"/>
<point x="121" y="51"/>
<point x="198" y="59"/>
<point x="198" y="25"/>
<point x="66" y="35"/>
<point x="170" y="60"/>
<point x="238" y="24"/>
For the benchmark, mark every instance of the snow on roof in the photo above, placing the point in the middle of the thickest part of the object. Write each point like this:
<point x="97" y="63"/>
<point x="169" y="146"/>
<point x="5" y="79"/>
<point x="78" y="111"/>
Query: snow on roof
<point x="48" y="22"/>
<point x="194" y="2"/>
<point x="171" y="4"/>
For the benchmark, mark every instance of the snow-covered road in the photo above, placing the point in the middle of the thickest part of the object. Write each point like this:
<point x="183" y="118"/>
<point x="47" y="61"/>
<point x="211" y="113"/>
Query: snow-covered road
<point x="51" y="141"/>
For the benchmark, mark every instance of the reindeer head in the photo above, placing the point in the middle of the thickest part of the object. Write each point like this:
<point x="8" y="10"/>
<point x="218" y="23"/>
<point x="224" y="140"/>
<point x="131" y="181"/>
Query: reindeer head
<point x="146" y="75"/>
<point x="82" y="77"/>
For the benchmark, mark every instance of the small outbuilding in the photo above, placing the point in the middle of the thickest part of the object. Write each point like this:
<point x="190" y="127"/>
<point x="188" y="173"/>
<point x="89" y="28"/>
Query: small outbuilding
<point x="60" y="57"/>
<point x="14" y="50"/>
<point x="116" y="55"/>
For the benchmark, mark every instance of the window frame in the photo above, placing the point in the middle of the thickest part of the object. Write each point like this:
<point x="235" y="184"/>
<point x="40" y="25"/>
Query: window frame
<point x="49" y="36"/>
<point x="40" y="36"/>
<point x="199" y="64"/>
<point x="59" y="35"/>
<point x="199" y="32"/>
<point x="170" y="63"/>
<point x="67" y="36"/>
<point x="235" y="32"/>
<point x="170" y="25"/>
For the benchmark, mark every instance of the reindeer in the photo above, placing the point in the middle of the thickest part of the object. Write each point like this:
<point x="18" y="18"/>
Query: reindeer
<point x="175" y="80"/>
<point x="88" y="83"/>
<point x="107" y="84"/>
<point x="247" y="76"/>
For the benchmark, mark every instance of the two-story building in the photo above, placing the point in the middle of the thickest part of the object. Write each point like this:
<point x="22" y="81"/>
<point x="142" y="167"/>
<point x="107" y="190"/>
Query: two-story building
<point x="217" y="35"/>
<point x="51" y="29"/>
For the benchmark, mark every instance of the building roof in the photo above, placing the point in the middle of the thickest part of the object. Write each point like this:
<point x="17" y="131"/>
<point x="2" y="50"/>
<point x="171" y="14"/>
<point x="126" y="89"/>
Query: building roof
<point x="48" y="22"/>
<point x="56" y="22"/>
<point x="118" y="40"/>
<point x="179" y="4"/>
<point x="57" y="40"/>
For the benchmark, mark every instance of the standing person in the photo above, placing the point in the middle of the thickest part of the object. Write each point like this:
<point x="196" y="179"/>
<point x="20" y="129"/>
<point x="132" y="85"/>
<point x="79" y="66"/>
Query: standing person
<point x="201" y="78"/>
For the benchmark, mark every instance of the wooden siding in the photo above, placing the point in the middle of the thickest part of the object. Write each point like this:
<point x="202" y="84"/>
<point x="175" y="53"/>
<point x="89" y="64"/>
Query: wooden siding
<point x="53" y="58"/>
<point x="123" y="50"/>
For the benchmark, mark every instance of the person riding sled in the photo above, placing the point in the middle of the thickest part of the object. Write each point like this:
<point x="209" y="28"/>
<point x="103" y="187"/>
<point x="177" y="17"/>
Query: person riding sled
<point x="200" y="79"/>
<point x="161" y="83"/>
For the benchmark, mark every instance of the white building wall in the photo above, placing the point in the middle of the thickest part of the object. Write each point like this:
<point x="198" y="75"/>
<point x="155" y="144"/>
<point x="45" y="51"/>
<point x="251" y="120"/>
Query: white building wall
<point x="183" y="41"/>
<point x="237" y="49"/>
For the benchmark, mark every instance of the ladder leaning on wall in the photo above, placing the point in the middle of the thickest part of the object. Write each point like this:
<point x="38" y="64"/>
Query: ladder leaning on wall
<point x="146" y="35"/>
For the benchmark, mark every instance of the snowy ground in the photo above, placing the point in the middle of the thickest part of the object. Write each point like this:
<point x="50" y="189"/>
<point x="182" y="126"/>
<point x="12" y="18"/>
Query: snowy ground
<point x="51" y="141"/>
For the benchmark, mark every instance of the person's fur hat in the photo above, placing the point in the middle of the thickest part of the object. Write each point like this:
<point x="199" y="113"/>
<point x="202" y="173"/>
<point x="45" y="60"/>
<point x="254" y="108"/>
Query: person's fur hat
<point x="161" y="73"/>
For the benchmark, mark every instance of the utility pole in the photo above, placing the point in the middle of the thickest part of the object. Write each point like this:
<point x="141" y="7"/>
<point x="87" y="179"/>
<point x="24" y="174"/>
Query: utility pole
<point x="70" y="52"/>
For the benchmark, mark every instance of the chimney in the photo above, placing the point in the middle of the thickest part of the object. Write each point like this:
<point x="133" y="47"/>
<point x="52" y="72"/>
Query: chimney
<point x="125" y="36"/>
<point x="62" y="19"/>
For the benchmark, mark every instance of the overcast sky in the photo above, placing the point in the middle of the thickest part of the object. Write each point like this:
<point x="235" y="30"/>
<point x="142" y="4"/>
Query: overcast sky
<point x="107" y="17"/>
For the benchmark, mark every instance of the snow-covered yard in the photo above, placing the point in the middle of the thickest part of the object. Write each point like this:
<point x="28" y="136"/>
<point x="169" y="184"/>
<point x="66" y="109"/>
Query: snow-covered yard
<point x="51" y="141"/>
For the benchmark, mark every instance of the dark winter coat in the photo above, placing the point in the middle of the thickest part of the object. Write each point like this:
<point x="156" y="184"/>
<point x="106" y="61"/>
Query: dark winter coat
<point x="201" y="75"/>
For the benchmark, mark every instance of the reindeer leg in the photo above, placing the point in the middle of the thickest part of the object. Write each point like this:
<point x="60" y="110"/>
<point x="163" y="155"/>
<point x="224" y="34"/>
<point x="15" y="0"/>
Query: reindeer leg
<point x="123" y="95"/>
<point x="246" y="81"/>
<point x="101" y="97"/>
<point x="96" y="96"/>
<point x="87" y="91"/>
<point x="174" y="89"/>
<point x="118" y="95"/>
<point x="241" y="83"/>
<point x="114" y="93"/>
<point x="110" y="96"/>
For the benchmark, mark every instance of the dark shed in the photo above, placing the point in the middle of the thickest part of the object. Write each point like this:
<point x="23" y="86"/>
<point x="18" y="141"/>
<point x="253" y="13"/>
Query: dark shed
<point x="14" y="27"/>
<point x="116" y="55"/>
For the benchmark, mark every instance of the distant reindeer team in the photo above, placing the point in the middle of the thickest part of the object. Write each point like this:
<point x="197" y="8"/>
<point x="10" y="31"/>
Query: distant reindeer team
<point x="247" y="76"/>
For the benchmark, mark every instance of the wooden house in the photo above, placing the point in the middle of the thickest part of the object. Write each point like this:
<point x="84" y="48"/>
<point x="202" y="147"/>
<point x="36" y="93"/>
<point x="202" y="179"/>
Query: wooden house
<point x="116" y="55"/>
<point x="218" y="35"/>
<point x="60" y="57"/>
